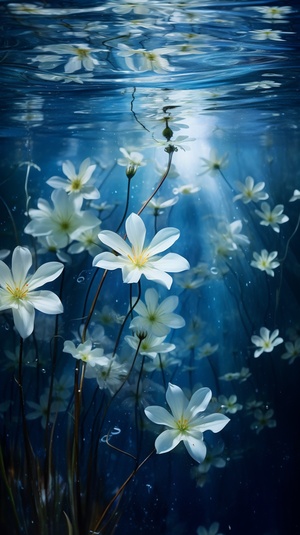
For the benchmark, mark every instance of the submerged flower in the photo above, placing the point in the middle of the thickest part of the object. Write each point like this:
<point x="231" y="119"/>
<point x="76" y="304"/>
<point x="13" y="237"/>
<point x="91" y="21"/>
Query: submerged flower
<point x="214" y="163"/>
<point x="156" y="318"/>
<point x="274" y="217"/>
<point x="78" y="183"/>
<point x="229" y="404"/>
<point x="185" y="423"/>
<point x="149" y="345"/>
<point x="132" y="161"/>
<point x="64" y="222"/>
<point x="266" y="341"/>
<point x="250" y="191"/>
<point x="296" y="196"/>
<point x="85" y="353"/>
<point x="138" y="260"/>
<point x="17" y="290"/>
<point x="263" y="420"/>
<point x="148" y="60"/>
<point x="265" y="261"/>
<point x="292" y="351"/>
<point x="212" y="530"/>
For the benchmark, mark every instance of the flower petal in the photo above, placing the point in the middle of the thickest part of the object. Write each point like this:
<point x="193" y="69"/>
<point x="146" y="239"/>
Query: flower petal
<point x="108" y="261"/>
<point x="172" y="263"/>
<point x="136" y="232"/>
<point x="212" y="422"/>
<point x="20" y="264"/>
<point x="159" y="415"/>
<point x="167" y="440"/>
<point x="45" y="273"/>
<point x="177" y="400"/>
<point x="163" y="240"/>
<point x="115" y="242"/>
<point x="46" y="302"/>
<point x="195" y="447"/>
<point x="24" y="319"/>
<point x="198" y="402"/>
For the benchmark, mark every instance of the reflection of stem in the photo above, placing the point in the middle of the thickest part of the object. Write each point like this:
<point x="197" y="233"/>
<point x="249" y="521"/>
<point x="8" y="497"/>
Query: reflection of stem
<point x="133" y="112"/>
<point x="120" y="490"/>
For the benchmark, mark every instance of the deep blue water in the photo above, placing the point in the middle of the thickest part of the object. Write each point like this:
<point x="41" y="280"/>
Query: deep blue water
<point x="212" y="89"/>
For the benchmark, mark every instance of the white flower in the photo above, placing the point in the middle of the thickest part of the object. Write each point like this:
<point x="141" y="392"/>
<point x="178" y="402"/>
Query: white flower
<point x="292" y="351"/>
<point x="262" y="420"/>
<point x="149" y="345"/>
<point x="187" y="189"/>
<point x="148" y="60"/>
<point x="263" y="84"/>
<point x="185" y="423"/>
<point x="263" y="35"/>
<point x="296" y="196"/>
<point x="78" y="183"/>
<point x="214" y="163"/>
<point x="212" y="530"/>
<point x="41" y="409"/>
<point x="82" y="57"/>
<point x="4" y="253"/>
<point x="158" y="204"/>
<point x="132" y="161"/>
<point x="138" y="7"/>
<point x="17" y="290"/>
<point x="86" y="241"/>
<point x="228" y="238"/>
<point x="156" y="318"/>
<point x="250" y="192"/>
<point x="64" y="222"/>
<point x="275" y="13"/>
<point x="229" y="404"/>
<point x="109" y="376"/>
<point x="265" y="261"/>
<point x="138" y="260"/>
<point x="85" y="353"/>
<point x="206" y="350"/>
<point x="274" y="217"/>
<point x="266" y="341"/>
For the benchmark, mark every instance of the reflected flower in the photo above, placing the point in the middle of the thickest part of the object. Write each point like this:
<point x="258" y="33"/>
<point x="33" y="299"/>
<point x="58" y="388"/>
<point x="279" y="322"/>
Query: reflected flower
<point x="148" y="60"/>
<point x="66" y="78"/>
<point x="139" y="7"/>
<point x="82" y="57"/>
<point x="266" y="341"/>
<point x="272" y="218"/>
<point x="18" y="290"/>
<point x="265" y="261"/>
<point x="155" y="318"/>
<point x="268" y="33"/>
<point x="41" y="409"/>
<point x="138" y="260"/>
<point x="263" y="420"/>
<point x="230" y="376"/>
<point x="229" y="405"/>
<point x="184" y="423"/>
<point x="213" y="458"/>
<point x="80" y="184"/>
<point x="263" y="84"/>
<point x="250" y="191"/>
<point x="292" y="351"/>
<point x="276" y="13"/>
<point x="109" y="376"/>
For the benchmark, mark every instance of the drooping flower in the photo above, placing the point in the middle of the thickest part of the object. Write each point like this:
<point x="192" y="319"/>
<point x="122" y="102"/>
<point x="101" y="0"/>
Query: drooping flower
<point x="138" y="260"/>
<point x="156" y="318"/>
<point x="274" y="217"/>
<point x="17" y="290"/>
<point x="80" y="183"/>
<point x="266" y="341"/>
<point x="64" y="222"/>
<point x="132" y="161"/>
<point x="265" y="261"/>
<point x="250" y="191"/>
<point x="185" y="424"/>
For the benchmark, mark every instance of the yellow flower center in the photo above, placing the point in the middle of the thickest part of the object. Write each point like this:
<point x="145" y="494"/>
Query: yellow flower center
<point x="82" y="53"/>
<point x="18" y="293"/>
<point x="182" y="424"/>
<point x="76" y="184"/>
<point x="139" y="260"/>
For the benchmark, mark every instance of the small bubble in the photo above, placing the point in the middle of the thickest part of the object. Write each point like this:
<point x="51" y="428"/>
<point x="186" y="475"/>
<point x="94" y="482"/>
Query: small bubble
<point x="80" y="280"/>
<point x="43" y="370"/>
<point x="214" y="270"/>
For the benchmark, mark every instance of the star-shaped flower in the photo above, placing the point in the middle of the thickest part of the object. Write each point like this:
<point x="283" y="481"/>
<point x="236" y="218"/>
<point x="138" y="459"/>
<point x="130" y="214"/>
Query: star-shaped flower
<point x="250" y="191"/>
<point x="266" y="341"/>
<point x="17" y="290"/>
<point x="79" y="183"/>
<point x="265" y="261"/>
<point x="274" y="217"/>
<point x="139" y="260"/>
<point x="184" y="423"/>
